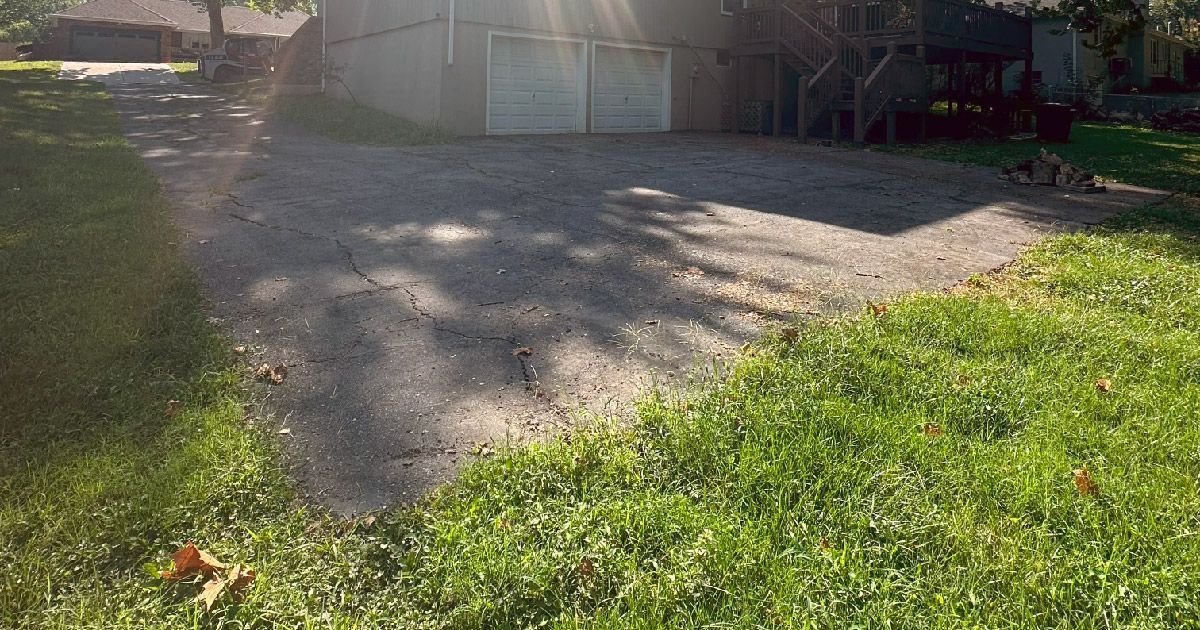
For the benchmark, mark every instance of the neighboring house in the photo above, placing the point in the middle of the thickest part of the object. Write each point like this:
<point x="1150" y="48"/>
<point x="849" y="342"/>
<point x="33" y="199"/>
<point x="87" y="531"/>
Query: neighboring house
<point x="1148" y="60"/>
<point x="153" y="30"/>
<point x="578" y="66"/>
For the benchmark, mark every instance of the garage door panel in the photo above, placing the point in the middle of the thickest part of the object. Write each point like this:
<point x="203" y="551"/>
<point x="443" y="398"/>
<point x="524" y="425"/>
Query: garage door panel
<point x="628" y="90"/>
<point x="534" y="86"/>
<point x="114" y="45"/>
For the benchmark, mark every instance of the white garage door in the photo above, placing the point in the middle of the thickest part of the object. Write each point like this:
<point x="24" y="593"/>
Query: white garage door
<point x="629" y="90"/>
<point x="534" y="86"/>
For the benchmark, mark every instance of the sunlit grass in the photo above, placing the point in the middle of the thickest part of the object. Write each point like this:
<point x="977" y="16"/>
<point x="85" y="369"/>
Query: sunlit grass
<point x="1133" y="155"/>
<point x="804" y="487"/>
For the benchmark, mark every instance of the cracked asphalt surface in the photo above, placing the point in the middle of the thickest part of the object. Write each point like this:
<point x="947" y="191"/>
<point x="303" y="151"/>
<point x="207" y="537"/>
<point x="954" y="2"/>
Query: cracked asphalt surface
<point x="401" y="285"/>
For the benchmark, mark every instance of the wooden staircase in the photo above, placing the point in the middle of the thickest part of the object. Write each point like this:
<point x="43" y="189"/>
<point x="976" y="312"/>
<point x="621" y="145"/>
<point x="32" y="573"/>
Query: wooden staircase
<point x="836" y="70"/>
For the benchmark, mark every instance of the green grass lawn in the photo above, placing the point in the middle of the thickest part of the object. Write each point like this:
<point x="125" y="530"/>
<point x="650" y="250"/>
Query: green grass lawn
<point x="1134" y="155"/>
<point x="806" y="487"/>
<point x="345" y="121"/>
<point x="187" y="72"/>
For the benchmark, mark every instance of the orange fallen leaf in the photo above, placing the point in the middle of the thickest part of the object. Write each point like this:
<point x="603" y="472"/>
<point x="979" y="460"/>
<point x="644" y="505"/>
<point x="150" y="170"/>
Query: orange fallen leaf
<point x="522" y="352"/>
<point x="1104" y="385"/>
<point x="963" y="380"/>
<point x="190" y="561"/>
<point x="933" y="429"/>
<point x="211" y="592"/>
<point x="1085" y="484"/>
<point x="878" y="309"/>
<point x="239" y="577"/>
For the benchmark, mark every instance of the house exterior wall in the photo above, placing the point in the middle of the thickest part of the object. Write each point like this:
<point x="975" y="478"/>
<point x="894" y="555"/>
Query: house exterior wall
<point x="397" y="71"/>
<point x="1053" y="55"/>
<point x="697" y="95"/>
<point x="370" y="38"/>
<point x="651" y="21"/>
<point x="349" y="19"/>
<point x="658" y="22"/>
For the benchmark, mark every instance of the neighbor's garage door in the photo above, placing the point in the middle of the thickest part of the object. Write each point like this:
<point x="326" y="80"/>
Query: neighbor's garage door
<point x="629" y="90"/>
<point x="534" y="86"/>
<point x="114" y="45"/>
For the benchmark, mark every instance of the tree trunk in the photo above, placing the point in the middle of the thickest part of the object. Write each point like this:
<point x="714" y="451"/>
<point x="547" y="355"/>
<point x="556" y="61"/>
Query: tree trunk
<point x="216" y="25"/>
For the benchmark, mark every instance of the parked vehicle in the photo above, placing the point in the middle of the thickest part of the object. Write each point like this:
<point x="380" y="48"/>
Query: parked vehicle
<point x="238" y="59"/>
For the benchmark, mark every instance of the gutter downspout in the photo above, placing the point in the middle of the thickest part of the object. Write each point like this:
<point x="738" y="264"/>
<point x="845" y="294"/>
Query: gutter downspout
<point x="450" y="35"/>
<point x="324" y="59"/>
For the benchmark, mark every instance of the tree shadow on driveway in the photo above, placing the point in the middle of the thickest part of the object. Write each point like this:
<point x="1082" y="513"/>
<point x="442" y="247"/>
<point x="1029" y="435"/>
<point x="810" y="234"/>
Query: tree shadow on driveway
<point x="430" y="299"/>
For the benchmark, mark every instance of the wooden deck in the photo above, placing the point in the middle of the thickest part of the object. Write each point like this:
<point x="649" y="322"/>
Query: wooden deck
<point x="949" y="30"/>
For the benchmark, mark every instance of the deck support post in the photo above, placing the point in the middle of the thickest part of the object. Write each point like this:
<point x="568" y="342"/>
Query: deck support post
<point x="802" y="109"/>
<point x="891" y="128"/>
<point x="837" y="125"/>
<point x="860" y="91"/>
<point x="777" y="108"/>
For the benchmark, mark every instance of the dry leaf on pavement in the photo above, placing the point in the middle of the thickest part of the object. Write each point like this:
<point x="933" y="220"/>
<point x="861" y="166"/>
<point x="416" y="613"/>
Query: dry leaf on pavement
<point x="522" y="352"/>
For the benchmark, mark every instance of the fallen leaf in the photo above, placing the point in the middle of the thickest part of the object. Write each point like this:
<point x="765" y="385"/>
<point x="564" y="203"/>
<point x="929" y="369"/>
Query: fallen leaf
<point x="651" y="322"/>
<point x="878" y="309"/>
<point x="1104" y="386"/>
<point x="190" y="561"/>
<point x="790" y="333"/>
<point x="240" y="349"/>
<point x="173" y="408"/>
<point x="933" y="429"/>
<point x="586" y="568"/>
<point x="1085" y="484"/>
<point x="203" y="242"/>
<point x="285" y="431"/>
<point x="211" y="592"/>
<point x="963" y="380"/>
<point x="522" y="352"/>
<point x="825" y="544"/>
<point x="280" y="278"/>
<point x="275" y="375"/>
<point x="239" y="577"/>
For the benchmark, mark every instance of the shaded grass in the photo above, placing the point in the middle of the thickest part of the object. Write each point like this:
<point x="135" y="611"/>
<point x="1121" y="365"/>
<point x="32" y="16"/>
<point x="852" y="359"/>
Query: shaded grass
<point x="187" y="72"/>
<point x="345" y="121"/>
<point x="798" y="489"/>
<point x="1133" y="155"/>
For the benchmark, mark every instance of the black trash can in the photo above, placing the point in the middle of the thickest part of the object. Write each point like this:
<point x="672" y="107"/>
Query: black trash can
<point x="1054" y="122"/>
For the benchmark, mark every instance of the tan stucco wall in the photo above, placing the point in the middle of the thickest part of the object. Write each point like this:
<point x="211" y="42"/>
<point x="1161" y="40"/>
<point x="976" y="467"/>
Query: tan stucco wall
<point x="653" y="21"/>
<point x="356" y="18"/>
<point x="398" y="71"/>
<point x="464" y="89"/>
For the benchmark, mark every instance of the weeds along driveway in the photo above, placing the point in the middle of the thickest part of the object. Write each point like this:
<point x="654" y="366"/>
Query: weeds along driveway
<point x="403" y="286"/>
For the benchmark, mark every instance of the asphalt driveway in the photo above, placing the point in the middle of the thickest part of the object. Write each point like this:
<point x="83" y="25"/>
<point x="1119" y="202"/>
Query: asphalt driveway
<point x="403" y="286"/>
<point x="119" y="74"/>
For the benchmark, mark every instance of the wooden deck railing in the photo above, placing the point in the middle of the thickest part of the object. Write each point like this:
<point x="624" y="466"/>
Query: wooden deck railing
<point x="897" y="77"/>
<point x="880" y="21"/>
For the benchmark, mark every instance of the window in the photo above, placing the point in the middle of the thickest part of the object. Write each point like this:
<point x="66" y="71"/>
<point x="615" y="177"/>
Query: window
<point x="723" y="59"/>
<point x="727" y="6"/>
<point x="195" y="44"/>
<point x="177" y="39"/>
